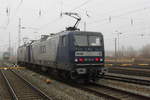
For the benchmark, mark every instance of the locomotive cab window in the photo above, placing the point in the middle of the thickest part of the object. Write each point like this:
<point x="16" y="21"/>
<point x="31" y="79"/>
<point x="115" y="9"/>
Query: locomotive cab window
<point x="87" y="40"/>
<point x="94" y="41"/>
<point x="80" y="40"/>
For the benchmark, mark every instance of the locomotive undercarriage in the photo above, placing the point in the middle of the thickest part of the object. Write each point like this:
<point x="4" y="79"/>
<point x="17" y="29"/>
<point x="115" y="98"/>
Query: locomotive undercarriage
<point x="79" y="74"/>
<point x="87" y="73"/>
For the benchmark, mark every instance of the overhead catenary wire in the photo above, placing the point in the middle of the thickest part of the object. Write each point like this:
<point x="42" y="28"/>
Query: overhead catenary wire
<point x="52" y="21"/>
<point x="81" y="5"/>
<point x="8" y="13"/>
<point x="19" y="5"/>
<point x="47" y="24"/>
<point x="123" y="14"/>
<point x="61" y="10"/>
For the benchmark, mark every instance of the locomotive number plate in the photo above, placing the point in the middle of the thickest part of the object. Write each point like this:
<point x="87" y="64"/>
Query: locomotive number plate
<point x="88" y="53"/>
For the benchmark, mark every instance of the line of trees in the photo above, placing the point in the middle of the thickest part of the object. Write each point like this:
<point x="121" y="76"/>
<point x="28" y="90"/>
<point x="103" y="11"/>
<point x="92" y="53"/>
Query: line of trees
<point x="144" y="52"/>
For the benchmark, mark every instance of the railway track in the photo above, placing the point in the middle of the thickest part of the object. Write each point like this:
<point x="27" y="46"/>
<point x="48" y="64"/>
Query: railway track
<point x="112" y="93"/>
<point x="4" y="91"/>
<point x="130" y="71"/>
<point x="21" y="89"/>
<point x="129" y="79"/>
<point x="132" y="66"/>
<point x="104" y="91"/>
<point x="107" y="92"/>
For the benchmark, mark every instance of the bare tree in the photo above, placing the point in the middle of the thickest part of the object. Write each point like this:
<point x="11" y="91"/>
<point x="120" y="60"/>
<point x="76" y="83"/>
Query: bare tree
<point x="145" y="51"/>
<point x="131" y="52"/>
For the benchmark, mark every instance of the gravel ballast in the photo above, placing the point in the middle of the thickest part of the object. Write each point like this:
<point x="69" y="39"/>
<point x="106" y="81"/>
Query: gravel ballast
<point x="129" y="87"/>
<point x="56" y="89"/>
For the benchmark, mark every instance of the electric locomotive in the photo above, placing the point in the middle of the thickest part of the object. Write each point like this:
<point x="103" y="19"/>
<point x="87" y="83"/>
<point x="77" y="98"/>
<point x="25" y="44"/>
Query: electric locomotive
<point x="72" y="54"/>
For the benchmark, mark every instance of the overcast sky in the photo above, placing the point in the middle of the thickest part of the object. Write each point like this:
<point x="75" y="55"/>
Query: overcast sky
<point x="129" y="17"/>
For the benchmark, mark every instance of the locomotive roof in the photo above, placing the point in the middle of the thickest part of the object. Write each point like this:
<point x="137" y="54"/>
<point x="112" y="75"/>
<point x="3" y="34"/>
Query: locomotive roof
<point x="63" y="33"/>
<point x="76" y="32"/>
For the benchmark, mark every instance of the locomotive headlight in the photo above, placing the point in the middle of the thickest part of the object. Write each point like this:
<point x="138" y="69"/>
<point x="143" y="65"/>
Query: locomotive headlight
<point x="76" y="60"/>
<point x="101" y="59"/>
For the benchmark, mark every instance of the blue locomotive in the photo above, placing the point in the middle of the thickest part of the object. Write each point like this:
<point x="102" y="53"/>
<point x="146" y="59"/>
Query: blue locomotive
<point x="73" y="54"/>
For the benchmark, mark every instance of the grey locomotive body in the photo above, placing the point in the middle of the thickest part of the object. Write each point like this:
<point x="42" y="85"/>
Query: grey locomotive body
<point x="73" y="54"/>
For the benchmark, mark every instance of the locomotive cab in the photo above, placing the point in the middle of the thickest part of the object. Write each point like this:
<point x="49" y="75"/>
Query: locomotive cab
<point x="87" y="53"/>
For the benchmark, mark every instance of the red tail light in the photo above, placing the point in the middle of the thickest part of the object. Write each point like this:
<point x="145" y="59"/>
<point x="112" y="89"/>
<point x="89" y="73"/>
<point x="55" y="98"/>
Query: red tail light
<point x="81" y="59"/>
<point x="97" y="59"/>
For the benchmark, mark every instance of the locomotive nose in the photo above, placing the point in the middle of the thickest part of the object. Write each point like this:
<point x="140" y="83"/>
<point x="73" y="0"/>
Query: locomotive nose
<point x="88" y="57"/>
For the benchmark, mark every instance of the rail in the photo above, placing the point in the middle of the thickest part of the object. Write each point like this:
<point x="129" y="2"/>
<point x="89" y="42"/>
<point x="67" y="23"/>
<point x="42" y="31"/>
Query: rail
<point x="10" y="87"/>
<point x="112" y="93"/>
<point x="26" y="86"/>
<point x="128" y="79"/>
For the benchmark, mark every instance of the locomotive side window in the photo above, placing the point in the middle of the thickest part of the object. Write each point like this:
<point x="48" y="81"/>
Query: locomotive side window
<point x="42" y="49"/>
<point x="64" y="41"/>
